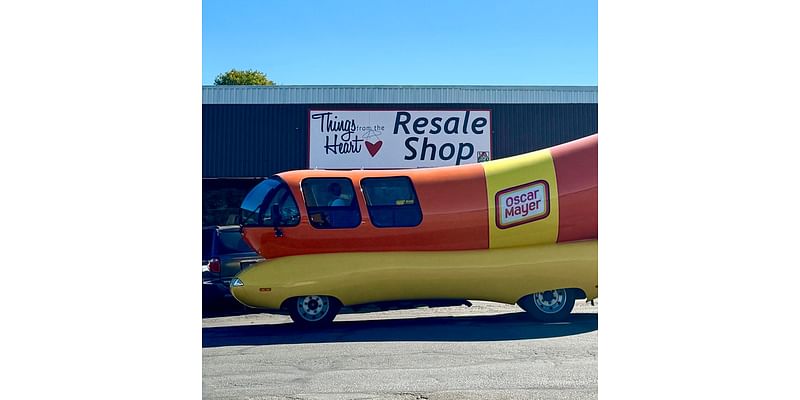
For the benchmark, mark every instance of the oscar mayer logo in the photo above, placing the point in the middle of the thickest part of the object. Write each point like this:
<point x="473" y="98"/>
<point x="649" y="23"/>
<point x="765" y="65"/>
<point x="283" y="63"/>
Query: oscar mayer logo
<point x="522" y="204"/>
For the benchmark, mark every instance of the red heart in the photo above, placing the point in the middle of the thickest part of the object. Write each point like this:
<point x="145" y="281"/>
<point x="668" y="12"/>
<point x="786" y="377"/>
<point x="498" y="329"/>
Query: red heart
<point x="373" y="148"/>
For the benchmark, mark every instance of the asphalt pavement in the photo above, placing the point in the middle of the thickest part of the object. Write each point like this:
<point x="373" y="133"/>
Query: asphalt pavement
<point x="487" y="351"/>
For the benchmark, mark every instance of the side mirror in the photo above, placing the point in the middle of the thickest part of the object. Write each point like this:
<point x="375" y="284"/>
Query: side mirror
<point x="276" y="219"/>
<point x="276" y="215"/>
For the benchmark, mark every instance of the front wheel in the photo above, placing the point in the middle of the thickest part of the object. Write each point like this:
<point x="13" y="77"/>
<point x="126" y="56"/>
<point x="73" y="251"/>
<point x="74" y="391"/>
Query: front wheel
<point x="313" y="310"/>
<point x="549" y="306"/>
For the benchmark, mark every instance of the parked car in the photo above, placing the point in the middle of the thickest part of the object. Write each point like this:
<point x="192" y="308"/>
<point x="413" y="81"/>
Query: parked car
<point x="225" y="254"/>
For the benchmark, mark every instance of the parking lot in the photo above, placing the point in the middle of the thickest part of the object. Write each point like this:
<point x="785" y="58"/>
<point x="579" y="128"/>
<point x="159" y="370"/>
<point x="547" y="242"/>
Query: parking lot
<point x="487" y="351"/>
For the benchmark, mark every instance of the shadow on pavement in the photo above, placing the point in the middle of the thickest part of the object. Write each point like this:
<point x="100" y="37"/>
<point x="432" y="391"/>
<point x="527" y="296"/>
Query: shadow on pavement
<point x="514" y="326"/>
<point x="229" y="311"/>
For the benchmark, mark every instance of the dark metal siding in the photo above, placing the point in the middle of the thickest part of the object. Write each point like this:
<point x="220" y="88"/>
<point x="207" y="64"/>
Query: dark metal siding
<point x="258" y="140"/>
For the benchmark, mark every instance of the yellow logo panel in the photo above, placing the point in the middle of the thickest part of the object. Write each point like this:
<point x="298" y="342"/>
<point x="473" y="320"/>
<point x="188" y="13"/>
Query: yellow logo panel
<point x="522" y="199"/>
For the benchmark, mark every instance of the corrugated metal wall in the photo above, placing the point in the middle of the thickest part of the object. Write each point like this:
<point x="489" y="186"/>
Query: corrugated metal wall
<point x="288" y="94"/>
<point x="258" y="140"/>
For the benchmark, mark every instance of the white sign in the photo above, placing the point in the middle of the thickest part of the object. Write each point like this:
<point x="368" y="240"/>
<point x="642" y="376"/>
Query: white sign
<point x="398" y="139"/>
<point x="522" y="204"/>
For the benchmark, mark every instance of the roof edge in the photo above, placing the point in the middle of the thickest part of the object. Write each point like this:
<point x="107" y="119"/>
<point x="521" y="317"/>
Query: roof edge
<point x="388" y="94"/>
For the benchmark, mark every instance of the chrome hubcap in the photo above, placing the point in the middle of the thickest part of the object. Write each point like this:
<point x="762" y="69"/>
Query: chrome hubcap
<point x="550" y="302"/>
<point x="313" y="308"/>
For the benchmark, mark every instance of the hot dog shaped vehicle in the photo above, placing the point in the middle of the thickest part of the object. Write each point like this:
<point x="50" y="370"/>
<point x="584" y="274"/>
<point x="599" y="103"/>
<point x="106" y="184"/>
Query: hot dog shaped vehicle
<point x="517" y="230"/>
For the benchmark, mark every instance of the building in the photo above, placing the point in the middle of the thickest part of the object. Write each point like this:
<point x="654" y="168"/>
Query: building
<point x="252" y="132"/>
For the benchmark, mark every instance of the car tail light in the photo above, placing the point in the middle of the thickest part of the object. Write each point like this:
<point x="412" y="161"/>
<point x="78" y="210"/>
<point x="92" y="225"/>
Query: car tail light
<point x="214" y="265"/>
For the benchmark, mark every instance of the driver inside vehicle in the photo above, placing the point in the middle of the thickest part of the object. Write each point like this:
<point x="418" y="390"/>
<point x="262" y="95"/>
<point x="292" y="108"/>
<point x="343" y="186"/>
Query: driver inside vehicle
<point x="337" y="198"/>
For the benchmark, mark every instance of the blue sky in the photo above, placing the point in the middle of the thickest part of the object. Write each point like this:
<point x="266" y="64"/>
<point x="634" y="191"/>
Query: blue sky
<point x="407" y="42"/>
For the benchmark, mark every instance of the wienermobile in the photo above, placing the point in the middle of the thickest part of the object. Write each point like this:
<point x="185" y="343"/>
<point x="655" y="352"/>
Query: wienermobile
<point x="518" y="230"/>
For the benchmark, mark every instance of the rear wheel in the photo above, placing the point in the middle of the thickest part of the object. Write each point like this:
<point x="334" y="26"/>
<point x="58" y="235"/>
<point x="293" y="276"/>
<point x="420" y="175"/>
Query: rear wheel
<point x="313" y="310"/>
<point x="549" y="306"/>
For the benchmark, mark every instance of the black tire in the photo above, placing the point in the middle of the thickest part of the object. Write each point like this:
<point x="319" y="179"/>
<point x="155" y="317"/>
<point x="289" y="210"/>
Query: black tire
<point x="313" y="310"/>
<point x="549" y="306"/>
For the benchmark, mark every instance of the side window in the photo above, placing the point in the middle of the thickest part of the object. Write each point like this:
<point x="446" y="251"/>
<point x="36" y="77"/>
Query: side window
<point x="392" y="202"/>
<point x="331" y="203"/>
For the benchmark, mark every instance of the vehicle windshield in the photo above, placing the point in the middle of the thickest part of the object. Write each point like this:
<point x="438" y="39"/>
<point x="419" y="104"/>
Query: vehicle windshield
<point x="231" y="241"/>
<point x="217" y="242"/>
<point x="253" y="202"/>
<point x="267" y="197"/>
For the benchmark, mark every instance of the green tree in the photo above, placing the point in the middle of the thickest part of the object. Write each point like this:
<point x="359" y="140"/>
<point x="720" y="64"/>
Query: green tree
<point x="249" y="77"/>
